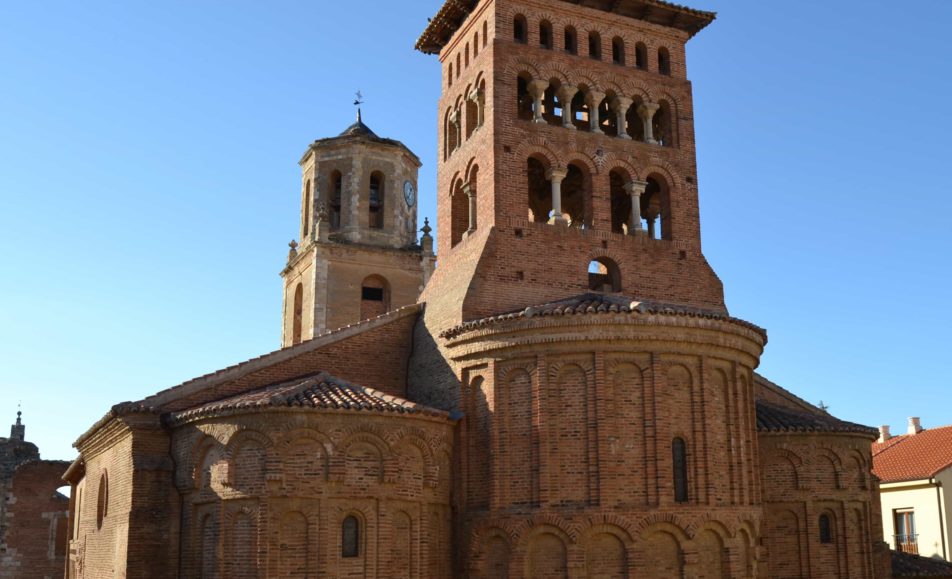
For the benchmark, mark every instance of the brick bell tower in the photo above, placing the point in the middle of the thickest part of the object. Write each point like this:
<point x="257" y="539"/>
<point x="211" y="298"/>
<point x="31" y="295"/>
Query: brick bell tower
<point x="567" y="156"/>
<point x="574" y="324"/>
<point x="358" y="257"/>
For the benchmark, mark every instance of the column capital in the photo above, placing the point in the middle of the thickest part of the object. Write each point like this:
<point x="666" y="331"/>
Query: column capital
<point x="537" y="88"/>
<point x="468" y="189"/>
<point x="636" y="188"/>
<point x="454" y="116"/>
<point x="566" y="92"/>
<point x="474" y="95"/>
<point x="594" y="98"/>
<point x="648" y="109"/>
<point x="556" y="175"/>
<point x="620" y="104"/>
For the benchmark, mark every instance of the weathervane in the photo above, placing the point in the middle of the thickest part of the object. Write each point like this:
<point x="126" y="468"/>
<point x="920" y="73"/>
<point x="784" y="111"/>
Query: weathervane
<point x="359" y="101"/>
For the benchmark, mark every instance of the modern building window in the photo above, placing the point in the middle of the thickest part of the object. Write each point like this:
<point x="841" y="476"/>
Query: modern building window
<point x="350" y="538"/>
<point x="904" y="521"/>
<point x="826" y="529"/>
<point x="679" y="462"/>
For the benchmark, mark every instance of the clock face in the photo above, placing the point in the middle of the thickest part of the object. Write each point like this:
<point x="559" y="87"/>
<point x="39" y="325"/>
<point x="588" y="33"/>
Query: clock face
<point x="409" y="193"/>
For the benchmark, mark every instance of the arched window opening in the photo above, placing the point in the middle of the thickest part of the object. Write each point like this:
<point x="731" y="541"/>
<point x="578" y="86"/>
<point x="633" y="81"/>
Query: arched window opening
<point x="297" y="321"/>
<point x="337" y="187"/>
<point x="545" y="34"/>
<point x="580" y="110"/>
<point x="604" y="276"/>
<point x="540" y="191"/>
<point x="679" y="463"/>
<point x="661" y="125"/>
<point x="102" y="501"/>
<point x="576" y="197"/>
<point x="459" y="64"/>
<point x="641" y="56"/>
<point x="636" y="125"/>
<point x="472" y="114"/>
<point x="374" y="297"/>
<point x="466" y="56"/>
<point x="485" y="33"/>
<point x="307" y="211"/>
<point x="520" y="31"/>
<point x="472" y="213"/>
<point x="524" y="101"/>
<point x="656" y="210"/>
<point x="621" y="203"/>
<point x="459" y="214"/>
<point x="475" y="45"/>
<point x="608" y="120"/>
<point x="594" y="46"/>
<point x="571" y="40"/>
<point x="826" y="529"/>
<point x="449" y="78"/>
<point x="664" y="61"/>
<point x="376" y="200"/>
<point x="551" y="106"/>
<point x="618" y="51"/>
<point x="350" y="538"/>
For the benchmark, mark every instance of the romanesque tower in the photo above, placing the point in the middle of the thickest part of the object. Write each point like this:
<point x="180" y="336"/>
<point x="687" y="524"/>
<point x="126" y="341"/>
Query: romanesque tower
<point x="575" y="324"/>
<point x="358" y="257"/>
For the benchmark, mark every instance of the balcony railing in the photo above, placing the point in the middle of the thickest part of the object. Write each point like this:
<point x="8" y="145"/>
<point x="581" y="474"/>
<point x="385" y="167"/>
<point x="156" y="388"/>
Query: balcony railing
<point x="907" y="543"/>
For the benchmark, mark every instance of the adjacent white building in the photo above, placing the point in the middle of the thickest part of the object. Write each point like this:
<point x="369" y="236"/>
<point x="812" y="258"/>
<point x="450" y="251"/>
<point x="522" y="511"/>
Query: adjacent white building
<point x="915" y="470"/>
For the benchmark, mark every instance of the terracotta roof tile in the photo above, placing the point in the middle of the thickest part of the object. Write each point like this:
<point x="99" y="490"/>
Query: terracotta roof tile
<point x="591" y="303"/>
<point x="775" y="418"/>
<point x="454" y="12"/>
<point x="914" y="456"/>
<point x="320" y="392"/>
<point x="909" y="565"/>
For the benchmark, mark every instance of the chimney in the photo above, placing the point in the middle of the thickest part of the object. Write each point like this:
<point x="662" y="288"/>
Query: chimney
<point x="915" y="427"/>
<point x="884" y="433"/>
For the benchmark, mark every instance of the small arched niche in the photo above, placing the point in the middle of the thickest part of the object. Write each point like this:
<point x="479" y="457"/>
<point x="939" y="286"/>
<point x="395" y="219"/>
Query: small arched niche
<point x="604" y="275"/>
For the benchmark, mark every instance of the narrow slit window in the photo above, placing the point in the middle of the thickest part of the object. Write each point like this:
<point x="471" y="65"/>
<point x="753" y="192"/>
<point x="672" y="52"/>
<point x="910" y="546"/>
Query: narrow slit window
<point x="350" y="538"/>
<point x="679" y="459"/>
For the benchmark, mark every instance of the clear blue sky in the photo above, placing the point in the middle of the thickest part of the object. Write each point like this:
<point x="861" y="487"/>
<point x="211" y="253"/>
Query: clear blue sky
<point x="149" y="186"/>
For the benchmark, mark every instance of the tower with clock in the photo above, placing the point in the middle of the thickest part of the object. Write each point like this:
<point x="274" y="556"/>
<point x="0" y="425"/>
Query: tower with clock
<point x="358" y="255"/>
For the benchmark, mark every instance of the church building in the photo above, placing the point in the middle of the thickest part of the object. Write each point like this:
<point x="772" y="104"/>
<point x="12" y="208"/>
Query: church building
<point x="564" y="396"/>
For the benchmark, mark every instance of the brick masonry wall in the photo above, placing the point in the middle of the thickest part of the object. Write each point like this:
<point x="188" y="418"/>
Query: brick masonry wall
<point x="34" y="545"/>
<point x="266" y="494"/>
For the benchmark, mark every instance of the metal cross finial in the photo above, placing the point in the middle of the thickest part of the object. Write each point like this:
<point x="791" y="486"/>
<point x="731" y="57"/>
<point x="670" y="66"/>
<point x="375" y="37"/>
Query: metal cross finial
<point x="357" y="102"/>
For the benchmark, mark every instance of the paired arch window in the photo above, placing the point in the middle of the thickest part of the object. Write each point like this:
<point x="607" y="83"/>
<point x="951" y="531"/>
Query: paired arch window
<point x="520" y="30"/>
<point x="350" y="538"/>
<point x="376" y="200"/>
<point x="679" y="464"/>
<point x="826" y="529"/>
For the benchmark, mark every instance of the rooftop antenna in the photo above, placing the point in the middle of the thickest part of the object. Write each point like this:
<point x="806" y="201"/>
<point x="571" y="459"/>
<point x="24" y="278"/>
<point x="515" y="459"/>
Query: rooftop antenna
<point x="357" y="102"/>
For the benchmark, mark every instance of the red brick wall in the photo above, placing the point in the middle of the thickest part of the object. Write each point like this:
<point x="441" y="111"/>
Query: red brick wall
<point x="35" y="543"/>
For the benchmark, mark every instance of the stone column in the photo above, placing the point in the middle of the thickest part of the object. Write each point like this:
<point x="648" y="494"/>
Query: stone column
<point x="476" y="96"/>
<point x="470" y="191"/>
<point x="620" y="106"/>
<point x="636" y="189"/>
<point x="593" y="100"/>
<point x="556" y="176"/>
<point x="566" y="94"/>
<point x="647" y="112"/>
<point x="537" y="91"/>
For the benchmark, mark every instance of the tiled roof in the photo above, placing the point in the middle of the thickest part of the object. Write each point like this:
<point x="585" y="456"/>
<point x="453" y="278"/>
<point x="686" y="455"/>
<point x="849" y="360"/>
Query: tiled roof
<point x="913" y="456"/>
<point x="321" y="392"/>
<point x="590" y="303"/>
<point x="361" y="132"/>
<point x="909" y="565"/>
<point x="776" y="418"/>
<point x="454" y="12"/>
